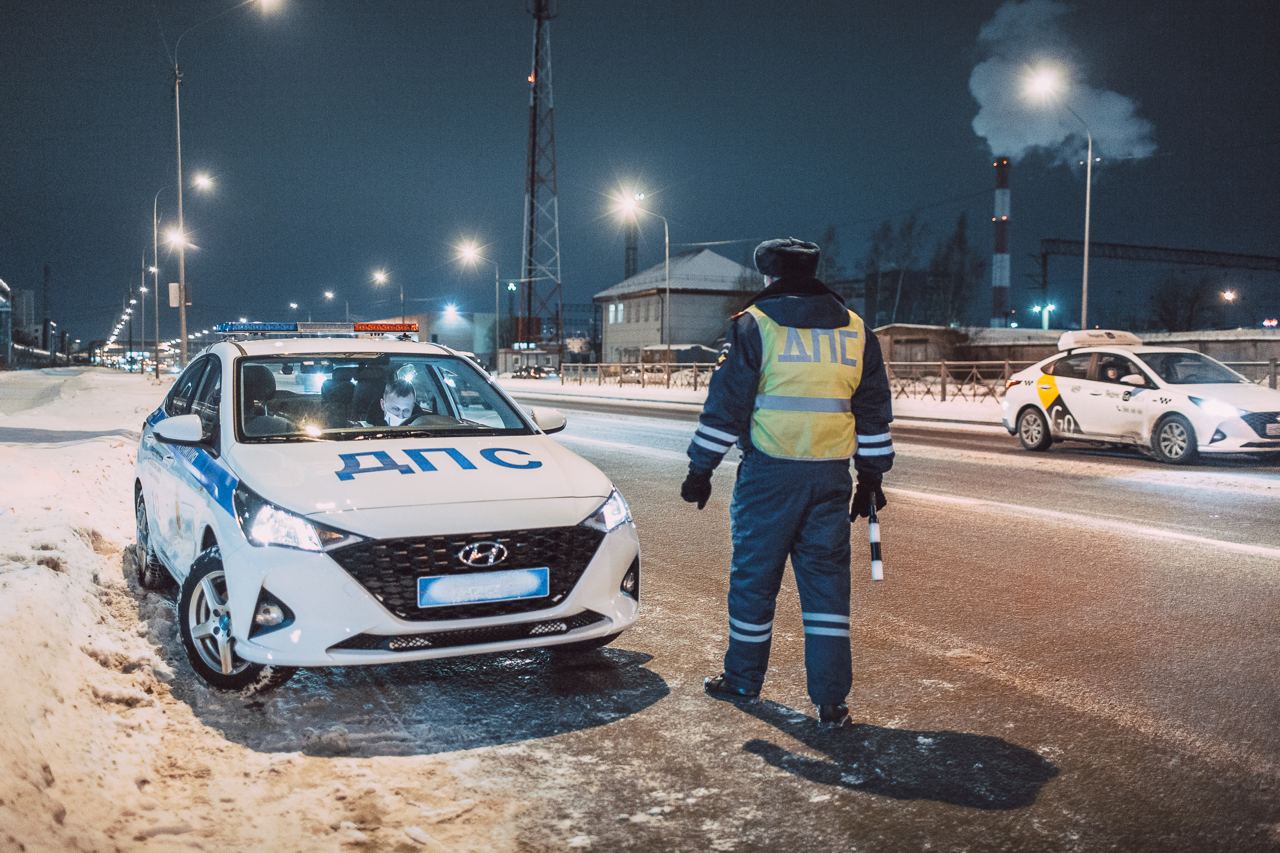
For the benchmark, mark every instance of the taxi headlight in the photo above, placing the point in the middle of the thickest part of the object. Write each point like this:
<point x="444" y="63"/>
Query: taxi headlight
<point x="1217" y="408"/>
<point x="264" y="523"/>
<point x="611" y="514"/>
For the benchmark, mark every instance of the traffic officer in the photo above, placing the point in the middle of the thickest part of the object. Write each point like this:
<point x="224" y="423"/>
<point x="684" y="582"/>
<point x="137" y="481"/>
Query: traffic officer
<point x="801" y="388"/>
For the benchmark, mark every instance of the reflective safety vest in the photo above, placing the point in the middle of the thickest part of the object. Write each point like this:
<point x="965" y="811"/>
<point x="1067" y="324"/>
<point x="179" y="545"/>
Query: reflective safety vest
<point x="807" y="378"/>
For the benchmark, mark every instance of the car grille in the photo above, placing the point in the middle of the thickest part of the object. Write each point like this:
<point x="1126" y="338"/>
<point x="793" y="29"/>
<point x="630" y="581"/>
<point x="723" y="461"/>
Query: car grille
<point x="470" y="636"/>
<point x="1258" y="421"/>
<point x="389" y="568"/>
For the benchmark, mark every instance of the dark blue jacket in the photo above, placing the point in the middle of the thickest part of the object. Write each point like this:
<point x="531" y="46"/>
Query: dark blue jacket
<point x="803" y="303"/>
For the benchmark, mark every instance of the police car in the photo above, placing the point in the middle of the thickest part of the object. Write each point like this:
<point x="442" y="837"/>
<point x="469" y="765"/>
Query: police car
<point x="304" y="530"/>
<point x="1105" y="386"/>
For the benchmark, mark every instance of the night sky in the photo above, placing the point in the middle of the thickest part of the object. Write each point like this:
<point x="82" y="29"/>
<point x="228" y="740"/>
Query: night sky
<point x="348" y="135"/>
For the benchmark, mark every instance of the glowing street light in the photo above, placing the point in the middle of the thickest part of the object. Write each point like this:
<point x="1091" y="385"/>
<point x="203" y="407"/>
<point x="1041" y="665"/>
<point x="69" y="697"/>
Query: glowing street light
<point x="1044" y="311"/>
<point x="451" y="312"/>
<point x="381" y="277"/>
<point x="469" y="254"/>
<point x="1229" y="296"/>
<point x="1044" y="84"/>
<point x="329" y="296"/>
<point x="203" y="181"/>
<point x="628" y="205"/>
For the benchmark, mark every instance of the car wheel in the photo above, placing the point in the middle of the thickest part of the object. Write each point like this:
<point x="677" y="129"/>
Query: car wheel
<point x="1174" y="440"/>
<point x="204" y="621"/>
<point x="151" y="573"/>
<point x="583" y="646"/>
<point x="1033" y="430"/>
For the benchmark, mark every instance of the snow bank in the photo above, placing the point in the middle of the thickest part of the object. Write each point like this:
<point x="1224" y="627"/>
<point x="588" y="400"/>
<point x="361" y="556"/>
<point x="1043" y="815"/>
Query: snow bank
<point x="986" y="411"/>
<point x="107" y="743"/>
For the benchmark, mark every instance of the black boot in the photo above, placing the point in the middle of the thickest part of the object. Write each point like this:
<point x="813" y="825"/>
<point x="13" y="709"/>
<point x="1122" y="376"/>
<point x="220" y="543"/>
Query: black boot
<point x="833" y="716"/>
<point x="717" y="688"/>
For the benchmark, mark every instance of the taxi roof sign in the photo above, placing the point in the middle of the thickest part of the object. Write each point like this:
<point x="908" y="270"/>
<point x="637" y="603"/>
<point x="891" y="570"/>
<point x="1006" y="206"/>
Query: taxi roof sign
<point x="310" y="328"/>
<point x="1098" y="338"/>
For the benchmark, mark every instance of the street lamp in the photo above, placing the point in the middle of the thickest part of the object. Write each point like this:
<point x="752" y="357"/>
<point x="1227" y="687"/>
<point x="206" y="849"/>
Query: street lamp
<point x="381" y="277"/>
<point x="266" y="6"/>
<point x="346" y="304"/>
<point x="1044" y="84"/>
<point x="469" y="253"/>
<point x="1044" y="312"/>
<point x="628" y="206"/>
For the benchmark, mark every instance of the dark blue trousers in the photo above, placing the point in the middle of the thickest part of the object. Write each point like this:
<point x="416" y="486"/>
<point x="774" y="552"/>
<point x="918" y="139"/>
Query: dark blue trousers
<point x="799" y="510"/>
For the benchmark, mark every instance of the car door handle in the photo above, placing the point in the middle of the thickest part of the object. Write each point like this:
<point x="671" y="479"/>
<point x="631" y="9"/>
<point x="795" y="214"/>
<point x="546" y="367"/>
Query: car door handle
<point x="1095" y="393"/>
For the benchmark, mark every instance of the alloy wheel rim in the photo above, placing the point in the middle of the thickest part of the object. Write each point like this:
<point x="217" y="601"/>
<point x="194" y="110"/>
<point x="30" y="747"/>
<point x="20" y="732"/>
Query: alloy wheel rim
<point x="1031" y="432"/>
<point x="1173" y="440"/>
<point x="209" y="620"/>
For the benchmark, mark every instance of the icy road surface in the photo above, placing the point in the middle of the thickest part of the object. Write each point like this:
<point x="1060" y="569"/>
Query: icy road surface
<point x="1071" y="651"/>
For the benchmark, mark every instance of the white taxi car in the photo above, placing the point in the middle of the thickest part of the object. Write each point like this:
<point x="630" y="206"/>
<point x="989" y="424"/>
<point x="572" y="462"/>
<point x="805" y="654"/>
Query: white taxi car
<point x="304" y="531"/>
<point x="1105" y="386"/>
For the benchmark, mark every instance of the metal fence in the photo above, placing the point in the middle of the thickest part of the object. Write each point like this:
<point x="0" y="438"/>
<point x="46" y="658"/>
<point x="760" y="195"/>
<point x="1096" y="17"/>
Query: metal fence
<point x="973" y="381"/>
<point x="693" y="377"/>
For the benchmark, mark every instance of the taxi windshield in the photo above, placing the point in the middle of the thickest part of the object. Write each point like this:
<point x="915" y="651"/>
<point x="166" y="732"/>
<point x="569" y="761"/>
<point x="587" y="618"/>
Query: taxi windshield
<point x="350" y="397"/>
<point x="1189" y="368"/>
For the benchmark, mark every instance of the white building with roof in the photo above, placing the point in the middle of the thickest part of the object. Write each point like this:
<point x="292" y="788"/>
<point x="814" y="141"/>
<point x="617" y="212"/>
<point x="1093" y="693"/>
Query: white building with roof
<point x="706" y="289"/>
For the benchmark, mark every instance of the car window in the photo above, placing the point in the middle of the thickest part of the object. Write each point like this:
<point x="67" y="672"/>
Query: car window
<point x="1190" y="368"/>
<point x="1112" y="368"/>
<point x="206" y="401"/>
<point x="184" y="390"/>
<point x="1072" y="366"/>
<point x="340" y="397"/>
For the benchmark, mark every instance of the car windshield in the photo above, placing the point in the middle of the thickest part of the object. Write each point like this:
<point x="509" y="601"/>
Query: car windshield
<point x="349" y="397"/>
<point x="1189" y="368"/>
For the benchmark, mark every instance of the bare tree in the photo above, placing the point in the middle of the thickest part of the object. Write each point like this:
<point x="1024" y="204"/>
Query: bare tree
<point x="906" y="245"/>
<point x="953" y="271"/>
<point x="1181" y="303"/>
<point x="829" y="268"/>
<point x="879" y="253"/>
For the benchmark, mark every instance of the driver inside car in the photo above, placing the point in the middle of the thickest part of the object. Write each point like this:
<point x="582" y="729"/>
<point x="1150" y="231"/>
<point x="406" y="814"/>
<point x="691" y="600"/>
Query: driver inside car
<point x="398" y="406"/>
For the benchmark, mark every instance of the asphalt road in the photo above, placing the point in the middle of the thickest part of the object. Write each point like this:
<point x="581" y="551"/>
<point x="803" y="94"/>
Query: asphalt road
<point x="1071" y="650"/>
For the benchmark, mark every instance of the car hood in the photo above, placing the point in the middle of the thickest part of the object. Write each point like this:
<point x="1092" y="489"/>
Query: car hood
<point x="1251" y="398"/>
<point x="340" y="476"/>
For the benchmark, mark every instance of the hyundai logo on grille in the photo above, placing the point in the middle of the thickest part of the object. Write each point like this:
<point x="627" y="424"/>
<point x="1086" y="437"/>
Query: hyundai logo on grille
<point x="483" y="554"/>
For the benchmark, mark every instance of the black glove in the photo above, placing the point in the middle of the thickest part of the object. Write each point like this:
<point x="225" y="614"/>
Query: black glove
<point x="696" y="488"/>
<point x="868" y="489"/>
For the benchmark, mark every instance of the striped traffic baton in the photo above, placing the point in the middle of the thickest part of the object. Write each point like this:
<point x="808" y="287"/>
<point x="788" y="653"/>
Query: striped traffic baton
<point x="873" y="536"/>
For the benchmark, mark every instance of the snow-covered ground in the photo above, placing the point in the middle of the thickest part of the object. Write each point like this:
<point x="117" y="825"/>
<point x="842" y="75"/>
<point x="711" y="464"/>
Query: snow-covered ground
<point x="103" y="747"/>
<point x="986" y="411"/>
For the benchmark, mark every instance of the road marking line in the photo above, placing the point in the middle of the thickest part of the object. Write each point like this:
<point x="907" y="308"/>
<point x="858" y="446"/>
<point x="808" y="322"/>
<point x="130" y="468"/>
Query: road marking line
<point x="1028" y="678"/>
<point x="1127" y="528"/>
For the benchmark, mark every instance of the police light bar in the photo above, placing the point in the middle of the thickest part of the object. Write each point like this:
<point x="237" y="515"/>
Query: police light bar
<point x="314" y="328"/>
<point x="1098" y="338"/>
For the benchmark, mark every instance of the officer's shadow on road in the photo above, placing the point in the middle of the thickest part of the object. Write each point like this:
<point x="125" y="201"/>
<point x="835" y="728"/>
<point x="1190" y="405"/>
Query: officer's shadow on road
<point x="977" y="771"/>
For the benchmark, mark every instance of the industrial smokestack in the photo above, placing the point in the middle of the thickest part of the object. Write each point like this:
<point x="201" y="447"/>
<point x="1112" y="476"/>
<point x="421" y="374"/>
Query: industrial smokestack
<point x="1000" y="255"/>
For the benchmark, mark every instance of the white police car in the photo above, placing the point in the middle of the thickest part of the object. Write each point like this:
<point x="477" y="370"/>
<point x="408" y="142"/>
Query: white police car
<point x="1105" y="386"/>
<point x="306" y="532"/>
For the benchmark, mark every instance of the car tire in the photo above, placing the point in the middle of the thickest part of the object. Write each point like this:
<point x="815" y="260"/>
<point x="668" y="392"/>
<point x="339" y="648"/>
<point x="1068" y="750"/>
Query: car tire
<point x="150" y="572"/>
<point x="1174" y="440"/>
<point x="584" y="646"/>
<point x="1033" y="430"/>
<point x="205" y="625"/>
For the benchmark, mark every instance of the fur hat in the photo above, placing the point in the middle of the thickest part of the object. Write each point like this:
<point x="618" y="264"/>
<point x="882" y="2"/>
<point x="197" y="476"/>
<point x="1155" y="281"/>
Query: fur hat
<point x="787" y="257"/>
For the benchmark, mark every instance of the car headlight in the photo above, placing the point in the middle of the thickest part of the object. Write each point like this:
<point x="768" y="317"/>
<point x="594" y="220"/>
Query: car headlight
<point x="610" y="515"/>
<point x="1217" y="408"/>
<point x="264" y="523"/>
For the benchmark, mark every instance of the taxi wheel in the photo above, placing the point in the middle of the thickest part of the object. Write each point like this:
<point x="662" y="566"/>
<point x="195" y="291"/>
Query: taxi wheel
<point x="150" y="572"/>
<point x="1033" y="430"/>
<point x="1174" y="440"/>
<point x="204" y="620"/>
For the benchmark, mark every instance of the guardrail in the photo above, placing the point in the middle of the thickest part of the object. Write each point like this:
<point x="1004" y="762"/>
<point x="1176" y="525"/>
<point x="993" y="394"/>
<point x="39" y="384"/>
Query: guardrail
<point x="685" y="376"/>
<point x="973" y="381"/>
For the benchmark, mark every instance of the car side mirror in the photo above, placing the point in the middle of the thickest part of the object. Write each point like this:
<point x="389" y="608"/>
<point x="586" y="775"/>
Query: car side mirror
<point x="182" y="430"/>
<point x="548" y="420"/>
<point x="1135" y="380"/>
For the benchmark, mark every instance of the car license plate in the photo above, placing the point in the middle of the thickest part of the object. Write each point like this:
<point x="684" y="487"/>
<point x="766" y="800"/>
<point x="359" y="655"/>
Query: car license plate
<point x="484" y="587"/>
<point x="1273" y="429"/>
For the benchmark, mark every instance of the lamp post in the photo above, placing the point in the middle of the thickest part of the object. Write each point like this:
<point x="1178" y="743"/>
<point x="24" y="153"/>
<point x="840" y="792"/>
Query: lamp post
<point x="346" y="304"/>
<point x="627" y="205"/>
<point x="380" y="276"/>
<point x="469" y="253"/>
<point x="1044" y="312"/>
<point x="267" y="6"/>
<point x="1043" y="84"/>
